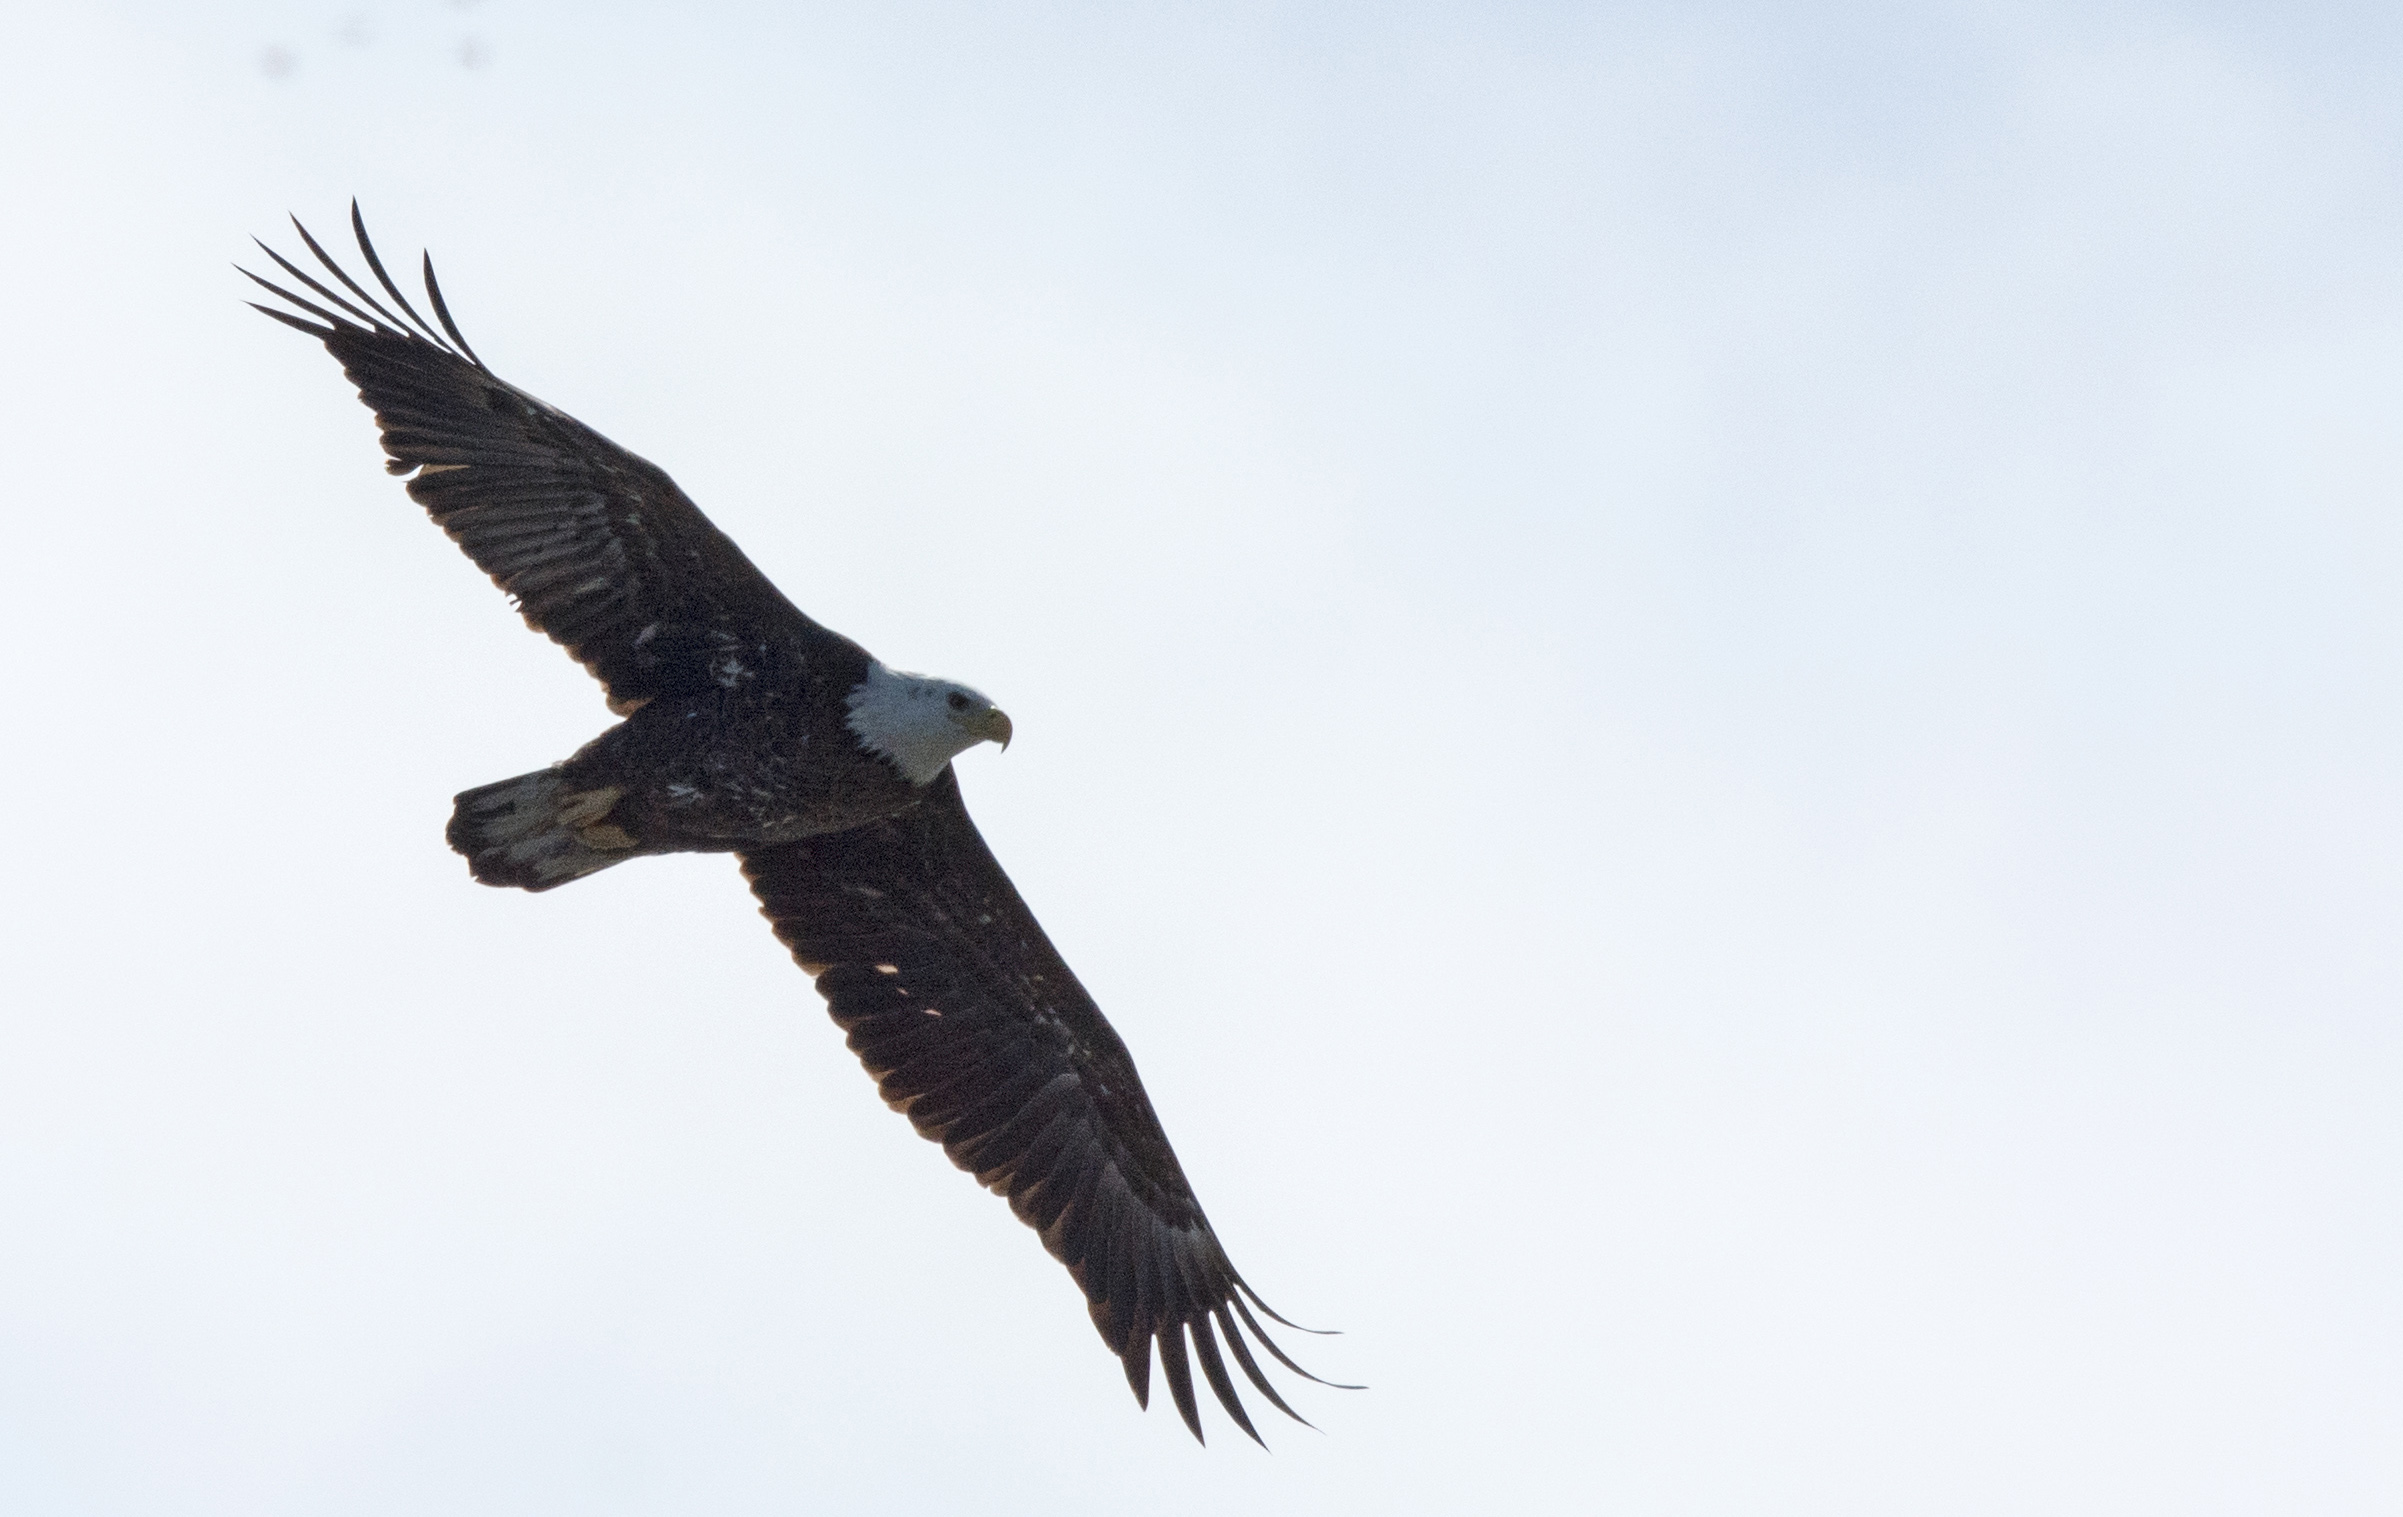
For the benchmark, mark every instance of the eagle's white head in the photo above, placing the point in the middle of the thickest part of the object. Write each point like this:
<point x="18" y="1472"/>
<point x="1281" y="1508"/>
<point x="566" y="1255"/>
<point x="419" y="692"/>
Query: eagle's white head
<point x="921" y="724"/>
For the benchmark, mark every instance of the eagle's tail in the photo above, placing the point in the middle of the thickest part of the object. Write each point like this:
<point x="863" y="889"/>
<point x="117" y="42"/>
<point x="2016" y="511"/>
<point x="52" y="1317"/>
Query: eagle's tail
<point x="535" y="832"/>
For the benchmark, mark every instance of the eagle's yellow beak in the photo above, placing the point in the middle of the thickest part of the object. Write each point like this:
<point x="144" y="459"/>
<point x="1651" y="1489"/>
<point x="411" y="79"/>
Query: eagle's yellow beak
<point x="994" y="727"/>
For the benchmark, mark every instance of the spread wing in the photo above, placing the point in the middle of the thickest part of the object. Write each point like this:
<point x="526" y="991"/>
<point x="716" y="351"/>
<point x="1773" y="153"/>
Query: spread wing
<point x="976" y="1030"/>
<point x="599" y="549"/>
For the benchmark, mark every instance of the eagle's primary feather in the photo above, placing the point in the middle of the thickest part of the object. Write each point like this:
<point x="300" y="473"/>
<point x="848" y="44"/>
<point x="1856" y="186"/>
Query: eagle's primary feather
<point x="603" y="553"/>
<point x="749" y="728"/>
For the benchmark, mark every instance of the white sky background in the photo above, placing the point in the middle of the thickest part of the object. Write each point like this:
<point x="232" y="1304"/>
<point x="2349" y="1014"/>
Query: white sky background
<point x="1714" y="689"/>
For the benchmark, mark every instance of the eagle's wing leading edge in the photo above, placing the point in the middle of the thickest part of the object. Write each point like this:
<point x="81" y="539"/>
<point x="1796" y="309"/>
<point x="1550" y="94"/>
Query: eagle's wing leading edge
<point x="973" y="1026"/>
<point x="600" y="550"/>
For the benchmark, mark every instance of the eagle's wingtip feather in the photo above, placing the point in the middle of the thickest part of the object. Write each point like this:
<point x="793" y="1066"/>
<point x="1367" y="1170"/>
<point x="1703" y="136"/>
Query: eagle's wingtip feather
<point x="320" y="333"/>
<point x="375" y="265"/>
<point x="1180" y="1379"/>
<point x="442" y="311"/>
<point x="1214" y="1369"/>
<point x="396" y="327"/>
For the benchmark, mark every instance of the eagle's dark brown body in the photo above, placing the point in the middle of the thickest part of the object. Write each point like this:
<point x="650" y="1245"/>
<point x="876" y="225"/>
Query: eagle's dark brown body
<point x="765" y="756"/>
<point x="748" y="728"/>
<point x="733" y="769"/>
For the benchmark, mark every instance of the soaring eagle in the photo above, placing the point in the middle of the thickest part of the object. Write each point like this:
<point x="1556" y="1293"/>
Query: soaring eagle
<point x="746" y="728"/>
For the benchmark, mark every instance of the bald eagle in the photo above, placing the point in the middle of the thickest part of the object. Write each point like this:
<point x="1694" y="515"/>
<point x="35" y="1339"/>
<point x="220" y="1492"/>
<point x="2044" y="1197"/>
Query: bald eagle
<point x="747" y="728"/>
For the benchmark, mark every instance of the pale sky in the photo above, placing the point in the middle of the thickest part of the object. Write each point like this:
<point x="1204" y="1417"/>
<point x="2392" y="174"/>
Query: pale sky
<point x="1713" y="688"/>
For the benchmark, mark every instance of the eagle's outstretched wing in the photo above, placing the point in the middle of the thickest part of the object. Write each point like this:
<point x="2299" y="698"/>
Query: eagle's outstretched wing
<point x="974" y="1027"/>
<point x="599" y="549"/>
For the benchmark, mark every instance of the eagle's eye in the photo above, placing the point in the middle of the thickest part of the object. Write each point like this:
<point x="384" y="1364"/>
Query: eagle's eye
<point x="958" y="701"/>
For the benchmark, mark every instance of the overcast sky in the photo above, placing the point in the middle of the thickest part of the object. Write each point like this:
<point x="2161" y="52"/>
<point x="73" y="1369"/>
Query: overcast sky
<point x="1714" y="689"/>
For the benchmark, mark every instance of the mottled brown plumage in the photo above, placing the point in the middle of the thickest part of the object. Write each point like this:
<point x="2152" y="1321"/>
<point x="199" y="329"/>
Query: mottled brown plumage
<point x="974" y="1028"/>
<point x="748" y="728"/>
